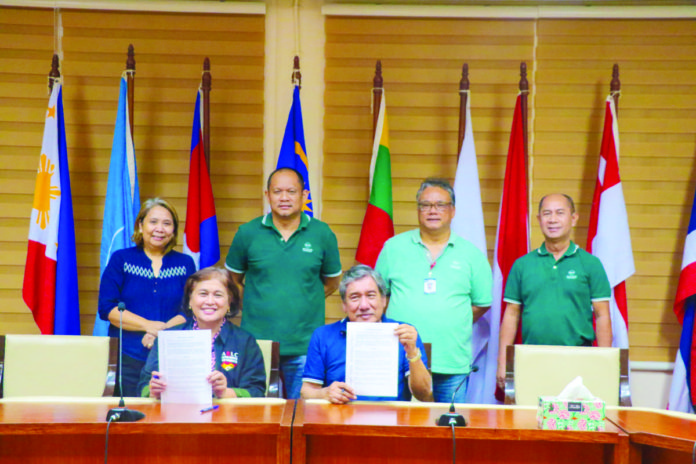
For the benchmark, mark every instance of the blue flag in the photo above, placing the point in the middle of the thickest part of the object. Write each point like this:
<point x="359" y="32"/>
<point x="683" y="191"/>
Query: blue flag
<point x="293" y="151"/>
<point x="122" y="202"/>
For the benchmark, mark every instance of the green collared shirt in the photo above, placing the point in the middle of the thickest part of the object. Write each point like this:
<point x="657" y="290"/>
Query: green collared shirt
<point x="283" y="286"/>
<point x="444" y="317"/>
<point x="556" y="296"/>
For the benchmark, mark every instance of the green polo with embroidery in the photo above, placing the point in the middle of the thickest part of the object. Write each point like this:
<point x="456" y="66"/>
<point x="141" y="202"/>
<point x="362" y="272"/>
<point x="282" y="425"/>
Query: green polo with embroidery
<point x="283" y="286"/>
<point x="556" y="296"/>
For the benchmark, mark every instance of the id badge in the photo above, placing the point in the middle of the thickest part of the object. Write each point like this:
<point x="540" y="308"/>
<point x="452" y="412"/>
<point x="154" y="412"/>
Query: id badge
<point x="429" y="286"/>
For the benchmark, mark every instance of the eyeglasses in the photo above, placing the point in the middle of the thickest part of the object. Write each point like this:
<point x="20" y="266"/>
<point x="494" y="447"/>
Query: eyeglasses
<point x="439" y="206"/>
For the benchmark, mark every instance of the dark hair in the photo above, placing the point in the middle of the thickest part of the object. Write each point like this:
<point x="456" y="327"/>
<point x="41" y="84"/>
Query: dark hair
<point x="436" y="182"/>
<point x="358" y="272"/>
<point x="297" y="173"/>
<point x="144" y="209"/>
<point x="567" y="197"/>
<point x="210" y="273"/>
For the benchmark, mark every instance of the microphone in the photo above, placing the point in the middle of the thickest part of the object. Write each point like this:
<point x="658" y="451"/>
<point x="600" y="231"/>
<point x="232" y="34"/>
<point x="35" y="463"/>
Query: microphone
<point x="122" y="413"/>
<point x="452" y="418"/>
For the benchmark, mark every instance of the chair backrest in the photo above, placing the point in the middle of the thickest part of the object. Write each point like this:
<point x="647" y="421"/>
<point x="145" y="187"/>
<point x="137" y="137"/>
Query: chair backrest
<point x="535" y="370"/>
<point x="271" y="360"/>
<point x="58" y="365"/>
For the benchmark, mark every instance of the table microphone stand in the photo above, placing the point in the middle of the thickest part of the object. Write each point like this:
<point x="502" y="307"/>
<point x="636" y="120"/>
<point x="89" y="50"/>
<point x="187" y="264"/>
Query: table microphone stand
<point x="122" y="413"/>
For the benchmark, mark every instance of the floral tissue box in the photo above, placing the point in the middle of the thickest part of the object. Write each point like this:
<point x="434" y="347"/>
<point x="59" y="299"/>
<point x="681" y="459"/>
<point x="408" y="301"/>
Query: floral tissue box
<point x="555" y="414"/>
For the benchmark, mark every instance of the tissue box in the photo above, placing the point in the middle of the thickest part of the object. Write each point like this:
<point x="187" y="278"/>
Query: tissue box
<point x="555" y="414"/>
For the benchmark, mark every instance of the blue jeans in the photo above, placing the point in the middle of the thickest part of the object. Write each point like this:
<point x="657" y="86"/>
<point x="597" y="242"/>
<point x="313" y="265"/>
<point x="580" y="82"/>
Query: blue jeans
<point x="444" y="386"/>
<point x="292" y="368"/>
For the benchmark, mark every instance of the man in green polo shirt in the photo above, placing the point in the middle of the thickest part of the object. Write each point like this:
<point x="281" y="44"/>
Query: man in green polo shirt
<point x="286" y="264"/>
<point x="556" y="288"/>
<point x="439" y="283"/>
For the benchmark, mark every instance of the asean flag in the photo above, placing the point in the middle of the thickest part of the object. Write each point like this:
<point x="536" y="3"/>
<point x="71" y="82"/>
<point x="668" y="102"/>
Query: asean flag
<point x="201" y="240"/>
<point x="50" y="276"/>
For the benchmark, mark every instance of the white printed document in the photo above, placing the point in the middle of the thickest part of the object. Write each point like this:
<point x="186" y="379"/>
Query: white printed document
<point x="184" y="363"/>
<point x="372" y="358"/>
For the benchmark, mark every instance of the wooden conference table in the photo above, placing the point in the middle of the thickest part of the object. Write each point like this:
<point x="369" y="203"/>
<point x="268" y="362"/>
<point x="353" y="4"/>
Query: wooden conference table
<point x="283" y="432"/>
<point x="657" y="436"/>
<point x="391" y="433"/>
<point x="74" y="432"/>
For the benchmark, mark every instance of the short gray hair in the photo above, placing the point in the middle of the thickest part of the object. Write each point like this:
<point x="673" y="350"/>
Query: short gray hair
<point x="436" y="182"/>
<point x="360" y="271"/>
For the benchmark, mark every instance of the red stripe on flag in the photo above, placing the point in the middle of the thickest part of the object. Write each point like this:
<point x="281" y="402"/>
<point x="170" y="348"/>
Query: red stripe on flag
<point x="686" y="288"/>
<point x="620" y="297"/>
<point x="377" y="228"/>
<point x="39" y="289"/>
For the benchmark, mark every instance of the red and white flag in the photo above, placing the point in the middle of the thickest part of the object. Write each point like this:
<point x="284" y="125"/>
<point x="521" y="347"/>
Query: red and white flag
<point x="608" y="237"/>
<point x="512" y="236"/>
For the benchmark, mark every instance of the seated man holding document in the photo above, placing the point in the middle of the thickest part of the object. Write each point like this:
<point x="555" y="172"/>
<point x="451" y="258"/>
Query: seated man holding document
<point x="210" y="300"/>
<point x="372" y="362"/>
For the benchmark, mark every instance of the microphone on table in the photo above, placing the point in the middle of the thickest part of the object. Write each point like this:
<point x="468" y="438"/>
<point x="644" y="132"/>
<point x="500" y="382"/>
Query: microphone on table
<point x="452" y="418"/>
<point x="122" y="413"/>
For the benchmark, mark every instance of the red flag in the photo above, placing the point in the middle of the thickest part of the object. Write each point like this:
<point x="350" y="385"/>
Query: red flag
<point x="512" y="236"/>
<point x="608" y="236"/>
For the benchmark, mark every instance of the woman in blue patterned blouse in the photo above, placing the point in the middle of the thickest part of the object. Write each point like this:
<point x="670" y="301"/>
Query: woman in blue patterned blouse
<point x="149" y="279"/>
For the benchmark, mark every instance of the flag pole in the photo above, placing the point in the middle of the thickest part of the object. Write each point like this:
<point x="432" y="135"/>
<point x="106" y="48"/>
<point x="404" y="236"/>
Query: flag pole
<point x="524" y="93"/>
<point x="130" y="73"/>
<point x="463" y="97"/>
<point x="206" y="86"/>
<point x="377" y="88"/>
<point x="54" y="73"/>
<point x="615" y="87"/>
<point x="296" y="74"/>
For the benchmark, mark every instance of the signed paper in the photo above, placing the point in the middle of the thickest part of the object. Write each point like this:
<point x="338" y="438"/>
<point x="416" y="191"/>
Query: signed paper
<point x="184" y="362"/>
<point x="372" y="358"/>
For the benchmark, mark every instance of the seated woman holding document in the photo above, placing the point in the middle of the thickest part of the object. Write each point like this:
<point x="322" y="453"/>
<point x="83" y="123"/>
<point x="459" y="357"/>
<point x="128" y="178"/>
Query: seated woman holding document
<point x="211" y="300"/>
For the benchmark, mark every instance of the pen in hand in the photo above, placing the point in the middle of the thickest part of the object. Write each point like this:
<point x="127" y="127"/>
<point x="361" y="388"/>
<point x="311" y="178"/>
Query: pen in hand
<point x="211" y="408"/>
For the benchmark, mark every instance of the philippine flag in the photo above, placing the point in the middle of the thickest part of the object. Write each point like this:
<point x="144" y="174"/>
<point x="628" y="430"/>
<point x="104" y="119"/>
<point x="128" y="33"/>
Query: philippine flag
<point x="50" y="276"/>
<point x="201" y="240"/>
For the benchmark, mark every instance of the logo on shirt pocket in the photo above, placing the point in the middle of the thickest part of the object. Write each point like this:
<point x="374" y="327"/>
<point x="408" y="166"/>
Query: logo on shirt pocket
<point x="229" y="360"/>
<point x="571" y="275"/>
<point x="307" y="248"/>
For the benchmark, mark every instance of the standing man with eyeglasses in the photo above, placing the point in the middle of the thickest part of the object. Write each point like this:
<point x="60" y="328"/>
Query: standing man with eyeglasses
<point x="439" y="283"/>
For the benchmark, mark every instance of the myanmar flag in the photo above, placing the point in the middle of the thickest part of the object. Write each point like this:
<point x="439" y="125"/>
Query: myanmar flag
<point x="378" y="225"/>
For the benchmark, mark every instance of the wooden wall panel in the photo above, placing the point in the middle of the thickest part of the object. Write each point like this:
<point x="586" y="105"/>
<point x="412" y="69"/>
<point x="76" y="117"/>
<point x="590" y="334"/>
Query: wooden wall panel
<point x="569" y="63"/>
<point x="169" y="53"/>
<point x="656" y="122"/>
<point x="421" y="61"/>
